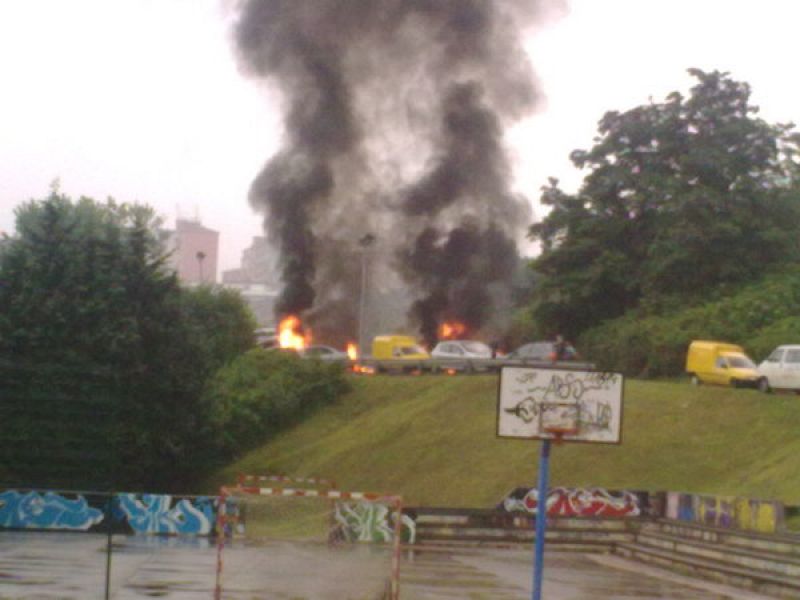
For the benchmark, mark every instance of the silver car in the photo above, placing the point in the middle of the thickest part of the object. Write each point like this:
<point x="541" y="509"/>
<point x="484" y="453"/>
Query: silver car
<point x="323" y="353"/>
<point x="781" y="369"/>
<point x="462" y="355"/>
<point x="543" y="352"/>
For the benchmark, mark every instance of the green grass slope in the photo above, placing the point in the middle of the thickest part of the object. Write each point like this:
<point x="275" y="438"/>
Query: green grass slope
<point x="432" y="440"/>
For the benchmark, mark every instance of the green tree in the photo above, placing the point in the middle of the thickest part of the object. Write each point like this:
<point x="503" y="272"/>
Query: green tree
<point x="680" y="197"/>
<point x="103" y="356"/>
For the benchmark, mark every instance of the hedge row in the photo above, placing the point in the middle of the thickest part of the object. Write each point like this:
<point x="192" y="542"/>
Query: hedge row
<point x="759" y="317"/>
<point x="265" y="391"/>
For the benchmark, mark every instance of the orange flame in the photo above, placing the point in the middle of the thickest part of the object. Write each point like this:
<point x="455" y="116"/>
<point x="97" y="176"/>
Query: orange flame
<point x="451" y="330"/>
<point x="352" y="351"/>
<point x="291" y="335"/>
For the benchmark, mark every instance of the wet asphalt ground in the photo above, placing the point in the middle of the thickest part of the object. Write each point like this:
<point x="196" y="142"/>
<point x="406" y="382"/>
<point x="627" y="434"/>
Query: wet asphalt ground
<point x="63" y="566"/>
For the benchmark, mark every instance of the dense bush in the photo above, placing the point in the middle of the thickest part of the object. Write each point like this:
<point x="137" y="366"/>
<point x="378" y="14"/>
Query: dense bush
<point x="758" y="317"/>
<point x="265" y="391"/>
<point x="784" y="331"/>
<point x="103" y="355"/>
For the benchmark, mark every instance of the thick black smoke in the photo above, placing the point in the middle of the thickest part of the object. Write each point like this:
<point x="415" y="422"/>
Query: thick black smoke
<point x="394" y="119"/>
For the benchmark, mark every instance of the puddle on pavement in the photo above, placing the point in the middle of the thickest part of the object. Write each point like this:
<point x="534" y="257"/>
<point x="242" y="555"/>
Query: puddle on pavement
<point x="44" y="565"/>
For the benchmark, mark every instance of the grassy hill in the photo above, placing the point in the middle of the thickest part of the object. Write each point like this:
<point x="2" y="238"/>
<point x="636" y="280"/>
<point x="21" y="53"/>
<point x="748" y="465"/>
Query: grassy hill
<point x="432" y="439"/>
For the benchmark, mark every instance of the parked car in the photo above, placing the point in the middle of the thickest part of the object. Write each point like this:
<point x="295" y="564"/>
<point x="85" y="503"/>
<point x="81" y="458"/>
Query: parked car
<point x="391" y="352"/>
<point x="543" y="351"/>
<point x="457" y="354"/>
<point x="720" y="363"/>
<point x="324" y="353"/>
<point x="780" y="370"/>
<point x="266" y="337"/>
<point x="402" y="347"/>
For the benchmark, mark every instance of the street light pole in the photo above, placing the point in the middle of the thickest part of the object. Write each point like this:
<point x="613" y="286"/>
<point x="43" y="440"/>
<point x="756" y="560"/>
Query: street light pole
<point x="365" y="242"/>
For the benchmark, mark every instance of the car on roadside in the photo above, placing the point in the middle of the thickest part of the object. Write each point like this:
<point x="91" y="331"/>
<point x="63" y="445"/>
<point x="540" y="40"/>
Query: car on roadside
<point x="462" y="355"/>
<point x="720" y="363"/>
<point x="266" y="337"/>
<point x="542" y="351"/>
<point x="322" y="352"/>
<point x="781" y="369"/>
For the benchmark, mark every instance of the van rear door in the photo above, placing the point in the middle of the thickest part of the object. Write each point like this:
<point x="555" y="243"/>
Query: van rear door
<point x="771" y="367"/>
<point x="790" y="370"/>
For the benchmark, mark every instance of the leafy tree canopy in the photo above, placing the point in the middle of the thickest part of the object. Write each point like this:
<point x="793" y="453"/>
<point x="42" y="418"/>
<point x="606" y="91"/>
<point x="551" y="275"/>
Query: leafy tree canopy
<point x="681" y="196"/>
<point x="103" y="355"/>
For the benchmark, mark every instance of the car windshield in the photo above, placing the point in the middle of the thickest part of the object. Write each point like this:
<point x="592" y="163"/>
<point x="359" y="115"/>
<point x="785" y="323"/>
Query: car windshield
<point x="476" y="347"/>
<point x="740" y="362"/>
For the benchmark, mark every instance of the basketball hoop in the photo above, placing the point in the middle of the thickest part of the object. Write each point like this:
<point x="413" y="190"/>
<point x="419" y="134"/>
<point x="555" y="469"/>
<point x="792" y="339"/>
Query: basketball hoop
<point x="558" y="433"/>
<point x="559" y="419"/>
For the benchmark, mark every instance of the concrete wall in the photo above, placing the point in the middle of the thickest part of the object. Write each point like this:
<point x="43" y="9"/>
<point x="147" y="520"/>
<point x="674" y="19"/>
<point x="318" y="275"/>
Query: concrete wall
<point x="129" y="513"/>
<point x="196" y="515"/>
<point x="729" y="512"/>
<point x="162" y="514"/>
<point x="585" y="502"/>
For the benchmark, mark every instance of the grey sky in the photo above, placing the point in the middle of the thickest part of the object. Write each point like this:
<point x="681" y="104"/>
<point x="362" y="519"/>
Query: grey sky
<point x="142" y="100"/>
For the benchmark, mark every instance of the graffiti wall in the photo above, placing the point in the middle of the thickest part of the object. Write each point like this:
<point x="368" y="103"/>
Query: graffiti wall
<point x="371" y="522"/>
<point x="185" y="515"/>
<point x="576" y="502"/>
<point x="170" y="515"/>
<point x="130" y="513"/>
<point x="153" y="513"/>
<point x="32" y="510"/>
<point x="730" y="512"/>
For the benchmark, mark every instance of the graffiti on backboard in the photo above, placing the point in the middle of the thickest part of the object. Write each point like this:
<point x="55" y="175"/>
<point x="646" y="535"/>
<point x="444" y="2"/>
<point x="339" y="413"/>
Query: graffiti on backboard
<point x="581" y="405"/>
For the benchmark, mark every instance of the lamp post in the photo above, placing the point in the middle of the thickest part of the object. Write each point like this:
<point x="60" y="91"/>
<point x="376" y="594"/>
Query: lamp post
<point x="365" y="242"/>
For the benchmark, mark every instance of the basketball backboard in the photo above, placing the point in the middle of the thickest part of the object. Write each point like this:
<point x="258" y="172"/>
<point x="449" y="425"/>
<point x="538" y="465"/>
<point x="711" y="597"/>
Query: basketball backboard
<point x="576" y="406"/>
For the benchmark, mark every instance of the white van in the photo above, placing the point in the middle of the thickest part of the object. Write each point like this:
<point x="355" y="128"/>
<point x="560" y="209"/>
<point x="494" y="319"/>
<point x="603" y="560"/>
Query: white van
<point x="781" y="369"/>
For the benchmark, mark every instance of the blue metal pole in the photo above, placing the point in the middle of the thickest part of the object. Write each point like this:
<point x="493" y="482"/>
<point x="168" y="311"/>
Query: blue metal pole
<point x="541" y="520"/>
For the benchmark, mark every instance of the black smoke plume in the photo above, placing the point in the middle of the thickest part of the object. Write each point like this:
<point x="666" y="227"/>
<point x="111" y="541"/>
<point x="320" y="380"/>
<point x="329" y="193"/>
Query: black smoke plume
<point x="394" y="118"/>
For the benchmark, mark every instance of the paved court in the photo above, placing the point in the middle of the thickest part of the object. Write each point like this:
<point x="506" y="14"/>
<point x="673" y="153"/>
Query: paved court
<point x="73" y="565"/>
<point x="507" y="574"/>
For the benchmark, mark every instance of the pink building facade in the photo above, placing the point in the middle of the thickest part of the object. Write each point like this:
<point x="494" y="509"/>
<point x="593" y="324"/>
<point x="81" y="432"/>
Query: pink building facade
<point x="194" y="252"/>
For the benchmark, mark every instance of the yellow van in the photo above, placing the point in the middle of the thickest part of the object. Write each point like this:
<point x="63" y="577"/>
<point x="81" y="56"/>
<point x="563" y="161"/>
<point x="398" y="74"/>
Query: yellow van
<point x="397" y="347"/>
<point x="720" y="363"/>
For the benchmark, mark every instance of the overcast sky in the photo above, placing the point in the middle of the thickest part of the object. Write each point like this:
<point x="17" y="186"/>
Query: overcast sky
<point x="142" y="100"/>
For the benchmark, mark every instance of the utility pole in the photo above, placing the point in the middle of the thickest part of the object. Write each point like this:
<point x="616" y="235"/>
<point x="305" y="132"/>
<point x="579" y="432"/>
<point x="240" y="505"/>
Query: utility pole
<point x="365" y="242"/>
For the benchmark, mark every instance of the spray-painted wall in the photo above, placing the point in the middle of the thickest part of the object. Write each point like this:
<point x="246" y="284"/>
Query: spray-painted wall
<point x="154" y="513"/>
<point x="32" y="510"/>
<point x="131" y="513"/>
<point x="731" y="512"/>
<point x="371" y="522"/>
<point x="578" y="502"/>
<point x="188" y="515"/>
<point x="170" y="515"/>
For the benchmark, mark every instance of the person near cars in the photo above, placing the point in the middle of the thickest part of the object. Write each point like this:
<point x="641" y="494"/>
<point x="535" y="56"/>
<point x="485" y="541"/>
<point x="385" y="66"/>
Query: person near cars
<point x="563" y="350"/>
